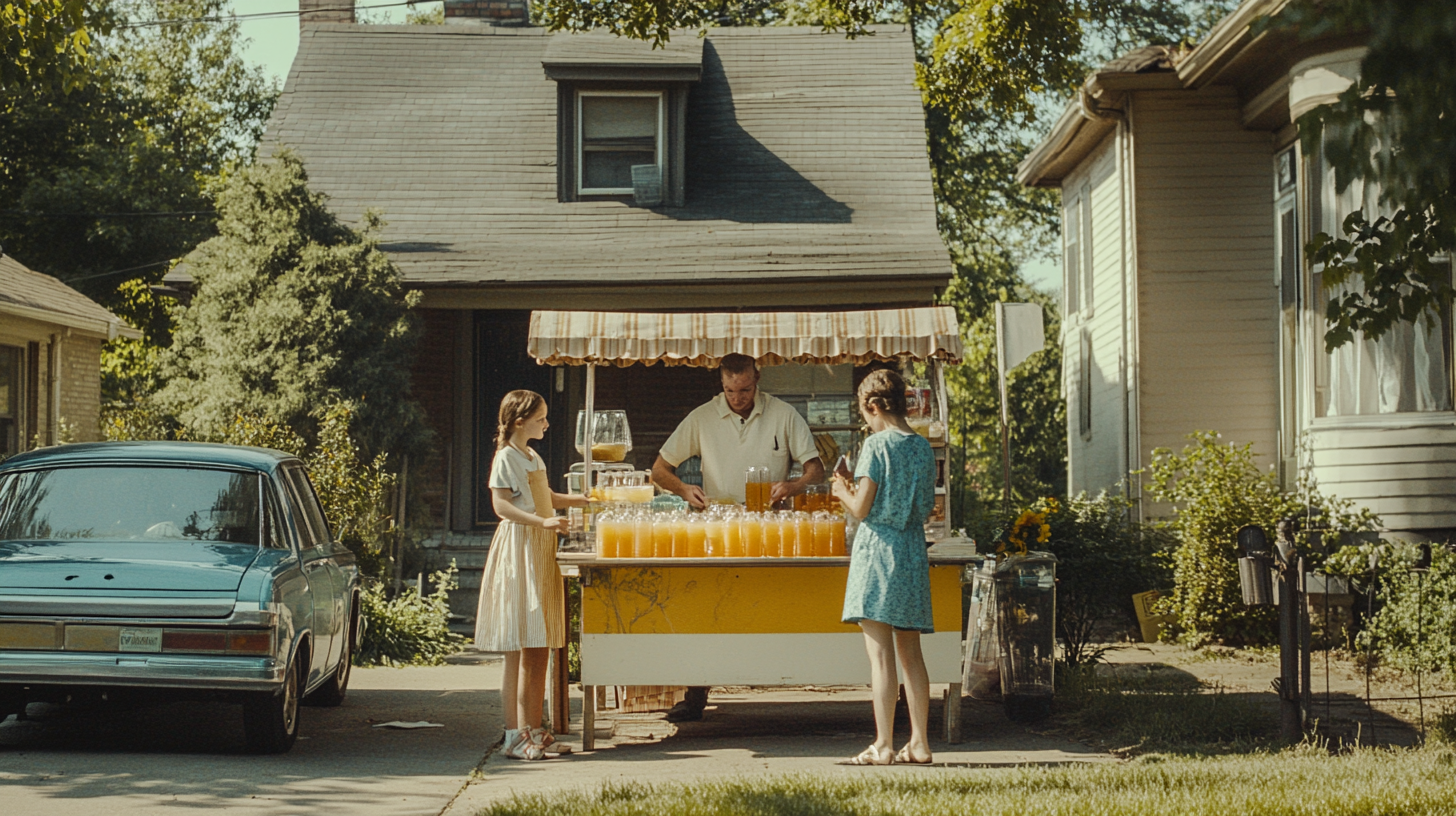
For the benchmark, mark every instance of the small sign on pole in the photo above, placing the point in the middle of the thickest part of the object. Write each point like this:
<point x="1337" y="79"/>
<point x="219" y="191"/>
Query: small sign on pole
<point x="1019" y="334"/>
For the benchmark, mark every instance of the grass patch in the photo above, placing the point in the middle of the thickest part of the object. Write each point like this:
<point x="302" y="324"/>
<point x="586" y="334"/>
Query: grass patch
<point x="1133" y="711"/>
<point x="1303" y="780"/>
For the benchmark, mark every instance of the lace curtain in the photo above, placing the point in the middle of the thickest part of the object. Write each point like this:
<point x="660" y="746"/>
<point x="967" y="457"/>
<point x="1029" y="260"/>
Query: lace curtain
<point x="1408" y="369"/>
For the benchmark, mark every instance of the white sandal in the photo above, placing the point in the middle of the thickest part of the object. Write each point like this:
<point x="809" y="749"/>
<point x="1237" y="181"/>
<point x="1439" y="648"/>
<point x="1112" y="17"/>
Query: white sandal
<point x="521" y="746"/>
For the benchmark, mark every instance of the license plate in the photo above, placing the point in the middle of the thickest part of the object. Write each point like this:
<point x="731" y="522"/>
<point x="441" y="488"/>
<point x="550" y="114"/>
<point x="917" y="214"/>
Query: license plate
<point x="140" y="640"/>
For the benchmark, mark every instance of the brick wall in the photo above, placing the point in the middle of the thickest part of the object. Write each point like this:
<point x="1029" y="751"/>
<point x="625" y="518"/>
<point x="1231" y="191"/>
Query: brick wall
<point x="491" y="12"/>
<point x="80" y="367"/>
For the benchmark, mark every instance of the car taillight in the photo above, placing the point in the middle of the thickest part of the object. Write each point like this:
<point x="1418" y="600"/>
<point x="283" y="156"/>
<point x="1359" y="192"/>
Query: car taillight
<point x="191" y="640"/>
<point x="250" y="642"/>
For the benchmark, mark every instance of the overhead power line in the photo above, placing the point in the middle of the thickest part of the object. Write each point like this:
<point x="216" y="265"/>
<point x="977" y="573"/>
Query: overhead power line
<point x="257" y="15"/>
<point x="158" y="214"/>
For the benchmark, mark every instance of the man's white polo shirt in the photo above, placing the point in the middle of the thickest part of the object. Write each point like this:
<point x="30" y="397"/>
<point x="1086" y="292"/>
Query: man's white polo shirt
<point x="773" y="435"/>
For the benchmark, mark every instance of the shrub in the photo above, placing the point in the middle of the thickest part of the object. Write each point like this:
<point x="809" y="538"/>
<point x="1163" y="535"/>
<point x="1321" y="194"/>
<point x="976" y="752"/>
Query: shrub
<point x="1215" y="489"/>
<point x="410" y="629"/>
<point x="1415" y="628"/>
<point x="1103" y="560"/>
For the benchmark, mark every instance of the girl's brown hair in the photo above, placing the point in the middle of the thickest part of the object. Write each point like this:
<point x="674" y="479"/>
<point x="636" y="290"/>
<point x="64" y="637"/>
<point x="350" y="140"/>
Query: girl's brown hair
<point x="518" y="405"/>
<point x="885" y="390"/>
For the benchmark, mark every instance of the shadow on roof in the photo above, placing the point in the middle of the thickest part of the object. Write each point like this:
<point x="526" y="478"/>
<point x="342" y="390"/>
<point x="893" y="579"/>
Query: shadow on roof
<point x="732" y="176"/>
<point x="404" y="247"/>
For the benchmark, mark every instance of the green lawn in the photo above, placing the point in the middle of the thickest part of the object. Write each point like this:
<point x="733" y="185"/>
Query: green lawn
<point x="1302" y="780"/>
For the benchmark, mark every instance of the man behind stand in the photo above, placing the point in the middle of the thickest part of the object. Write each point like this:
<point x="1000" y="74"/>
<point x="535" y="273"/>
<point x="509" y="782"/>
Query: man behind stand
<point x="738" y="429"/>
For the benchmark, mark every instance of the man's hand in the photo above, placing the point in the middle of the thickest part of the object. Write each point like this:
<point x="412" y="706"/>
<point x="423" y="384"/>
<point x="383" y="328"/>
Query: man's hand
<point x="695" y="496"/>
<point x="783" y="490"/>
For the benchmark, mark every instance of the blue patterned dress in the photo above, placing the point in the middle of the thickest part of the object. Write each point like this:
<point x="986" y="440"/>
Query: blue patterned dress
<point x="889" y="572"/>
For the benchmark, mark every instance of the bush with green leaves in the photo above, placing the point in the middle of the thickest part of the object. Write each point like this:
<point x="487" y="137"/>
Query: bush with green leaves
<point x="1414" y="628"/>
<point x="294" y="310"/>
<point x="1216" y="488"/>
<point x="1103" y="559"/>
<point x="410" y="629"/>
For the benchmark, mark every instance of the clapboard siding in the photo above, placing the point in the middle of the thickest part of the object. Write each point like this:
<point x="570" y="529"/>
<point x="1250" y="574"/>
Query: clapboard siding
<point x="1207" y="351"/>
<point x="1405" y="475"/>
<point x="1095" y="462"/>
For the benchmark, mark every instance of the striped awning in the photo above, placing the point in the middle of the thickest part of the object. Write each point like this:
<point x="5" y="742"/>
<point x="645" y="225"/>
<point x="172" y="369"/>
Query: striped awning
<point x="702" y="339"/>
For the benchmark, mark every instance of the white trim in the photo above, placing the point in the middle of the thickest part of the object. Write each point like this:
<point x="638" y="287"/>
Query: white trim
<point x="658" y="151"/>
<point x="749" y="660"/>
<point x="107" y="329"/>
<point x="1409" y="419"/>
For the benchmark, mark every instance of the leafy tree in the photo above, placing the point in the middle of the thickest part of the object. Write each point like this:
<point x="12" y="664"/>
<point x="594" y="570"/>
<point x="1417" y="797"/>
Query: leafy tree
<point x="47" y="42"/>
<point x="294" y="310"/>
<point x="1395" y="127"/>
<point x="108" y="183"/>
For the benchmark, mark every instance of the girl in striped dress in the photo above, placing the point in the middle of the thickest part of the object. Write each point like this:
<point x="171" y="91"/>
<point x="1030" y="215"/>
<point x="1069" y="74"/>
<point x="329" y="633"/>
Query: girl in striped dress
<point x="522" y="607"/>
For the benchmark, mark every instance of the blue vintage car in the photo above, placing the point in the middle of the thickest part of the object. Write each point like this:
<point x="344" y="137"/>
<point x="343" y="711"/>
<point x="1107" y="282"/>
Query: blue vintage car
<point x="201" y="569"/>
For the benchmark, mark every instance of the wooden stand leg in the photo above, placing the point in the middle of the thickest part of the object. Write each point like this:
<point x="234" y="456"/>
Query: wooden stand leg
<point x="588" y="718"/>
<point x="953" y="714"/>
<point x="560" y="694"/>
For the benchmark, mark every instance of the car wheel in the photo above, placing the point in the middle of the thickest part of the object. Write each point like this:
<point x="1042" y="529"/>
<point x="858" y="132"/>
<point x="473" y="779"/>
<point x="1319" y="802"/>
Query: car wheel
<point x="270" y="718"/>
<point x="332" y="692"/>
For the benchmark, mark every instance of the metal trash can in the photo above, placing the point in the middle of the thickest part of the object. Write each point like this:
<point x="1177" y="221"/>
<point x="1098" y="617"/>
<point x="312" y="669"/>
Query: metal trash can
<point x="981" y="667"/>
<point x="1026" y="614"/>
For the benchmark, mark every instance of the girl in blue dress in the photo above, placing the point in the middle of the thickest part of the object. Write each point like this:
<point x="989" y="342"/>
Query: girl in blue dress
<point x="888" y="592"/>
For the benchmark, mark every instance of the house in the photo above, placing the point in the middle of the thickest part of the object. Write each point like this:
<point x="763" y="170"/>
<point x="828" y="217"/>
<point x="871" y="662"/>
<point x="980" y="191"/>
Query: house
<point x="780" y="169"/>
<point x="50" y="360"/>
<point x="1187" y="202"/>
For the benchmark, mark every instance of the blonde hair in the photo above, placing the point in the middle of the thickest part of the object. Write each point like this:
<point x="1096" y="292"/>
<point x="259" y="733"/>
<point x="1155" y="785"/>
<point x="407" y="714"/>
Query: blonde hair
<point x="885" y="390"/>
<point x="517" y="406"/>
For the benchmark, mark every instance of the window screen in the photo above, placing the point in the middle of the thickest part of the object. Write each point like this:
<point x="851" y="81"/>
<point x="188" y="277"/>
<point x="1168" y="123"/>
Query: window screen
<point x="9" y="401"/>
<point x="1072" y="254"/>
<point x="617" y="132"/>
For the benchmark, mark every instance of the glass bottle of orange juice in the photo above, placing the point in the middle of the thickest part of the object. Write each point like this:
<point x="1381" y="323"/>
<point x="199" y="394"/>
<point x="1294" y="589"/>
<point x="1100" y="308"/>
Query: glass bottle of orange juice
<point x="697" y="532"/>
<point x="641" y="535"/>
<point x="714" y="543"/>
<point x="606" y="535"/>
<point x="752" y="532"/>
<point x="803" y="535"/>
<point x="822" y="534"/>
<point x="772" y="537"/>
<point x="678" y="523"/>
<point x="836" y="536"/>
<point x="733" y="535"/>
<point x="661" y="535"/>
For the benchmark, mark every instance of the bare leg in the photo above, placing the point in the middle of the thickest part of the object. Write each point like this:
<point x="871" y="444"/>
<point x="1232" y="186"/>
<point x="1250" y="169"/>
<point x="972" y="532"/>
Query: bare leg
<point x="533" y="686"/>
<point x="510" y="682"/>
<point x="917" y="692"/>
<point x="879" y="643"/>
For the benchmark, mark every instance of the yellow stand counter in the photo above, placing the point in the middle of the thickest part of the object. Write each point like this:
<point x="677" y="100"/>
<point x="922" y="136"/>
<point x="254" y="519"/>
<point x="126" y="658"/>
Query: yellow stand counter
<point x="743" y="621"/>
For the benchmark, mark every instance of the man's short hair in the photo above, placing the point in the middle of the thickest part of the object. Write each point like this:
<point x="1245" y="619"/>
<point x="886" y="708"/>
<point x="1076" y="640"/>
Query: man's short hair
<point x="736" y="365"/>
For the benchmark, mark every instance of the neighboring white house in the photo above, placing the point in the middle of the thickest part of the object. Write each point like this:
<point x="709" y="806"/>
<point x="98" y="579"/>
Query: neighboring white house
<point x="1187" y="203"/>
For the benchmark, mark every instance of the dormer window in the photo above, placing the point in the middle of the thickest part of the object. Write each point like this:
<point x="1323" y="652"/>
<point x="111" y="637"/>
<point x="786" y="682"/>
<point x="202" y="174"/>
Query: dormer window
<point x="621" y="103"/>
<point x="616" y="131"/>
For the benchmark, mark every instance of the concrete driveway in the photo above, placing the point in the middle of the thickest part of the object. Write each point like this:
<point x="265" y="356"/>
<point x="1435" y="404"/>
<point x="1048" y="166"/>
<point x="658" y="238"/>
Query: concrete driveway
<point x="115" y="761"/>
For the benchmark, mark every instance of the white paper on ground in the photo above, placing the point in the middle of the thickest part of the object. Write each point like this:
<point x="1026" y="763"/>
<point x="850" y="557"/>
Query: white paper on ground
<point x="400" y="724"/>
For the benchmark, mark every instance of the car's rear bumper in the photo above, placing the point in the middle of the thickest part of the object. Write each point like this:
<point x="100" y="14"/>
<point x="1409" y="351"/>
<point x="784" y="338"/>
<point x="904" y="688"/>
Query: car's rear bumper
<point x="219" y="672"/>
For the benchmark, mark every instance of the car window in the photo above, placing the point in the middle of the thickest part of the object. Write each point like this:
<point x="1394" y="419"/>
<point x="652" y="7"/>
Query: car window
<point x="130" y="503"/>
<point x="275" y="536"/>
<point x="306" y="500"/>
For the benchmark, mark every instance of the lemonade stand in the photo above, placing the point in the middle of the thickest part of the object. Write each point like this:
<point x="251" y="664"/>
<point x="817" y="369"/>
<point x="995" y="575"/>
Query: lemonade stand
<point x="750" y="597"/>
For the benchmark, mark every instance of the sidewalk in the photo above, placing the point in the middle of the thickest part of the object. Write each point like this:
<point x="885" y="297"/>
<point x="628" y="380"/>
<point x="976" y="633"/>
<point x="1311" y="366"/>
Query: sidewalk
<point x="752" y="732"/>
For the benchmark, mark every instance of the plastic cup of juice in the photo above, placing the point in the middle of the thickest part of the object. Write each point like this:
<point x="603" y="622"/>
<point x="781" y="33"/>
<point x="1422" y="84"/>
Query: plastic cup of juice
<point x="642" y="537"/>
<point x="772" y="537"/>
<point x="679" y="527"/>
<point x="697" y="538"/>
<point x="804" y="535"/>
<point x="822" y="535"/>
<point x="733" y="536"/>
<point x="661" y="538"/>
<point x="752" y="525"/>
<point x="713" y="541"/>
<point x="836" y="536"/>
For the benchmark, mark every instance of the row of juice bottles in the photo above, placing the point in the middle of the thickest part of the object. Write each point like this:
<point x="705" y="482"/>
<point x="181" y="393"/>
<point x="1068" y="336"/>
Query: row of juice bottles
<point x="735" y="534"/>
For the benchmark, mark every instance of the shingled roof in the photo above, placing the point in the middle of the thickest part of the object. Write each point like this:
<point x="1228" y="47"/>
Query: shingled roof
<point x="30" y="294"/>
<point x="806" y="158"/>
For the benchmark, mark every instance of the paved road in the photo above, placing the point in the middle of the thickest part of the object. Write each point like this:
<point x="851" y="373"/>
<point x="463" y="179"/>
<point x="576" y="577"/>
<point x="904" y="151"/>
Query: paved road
<point x="89" y="760"/>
